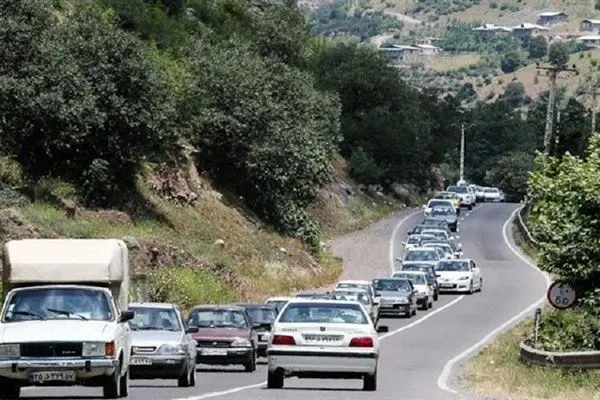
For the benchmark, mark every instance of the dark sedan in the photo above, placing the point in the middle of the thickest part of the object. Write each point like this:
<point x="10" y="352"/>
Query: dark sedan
<point x="396" y="297"/>
<point x="263" y="316"/>
<point x="225" y="336"/>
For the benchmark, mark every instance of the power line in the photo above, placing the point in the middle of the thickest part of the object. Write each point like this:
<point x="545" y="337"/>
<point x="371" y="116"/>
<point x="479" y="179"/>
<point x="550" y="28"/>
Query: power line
<point x="553" y="71"/>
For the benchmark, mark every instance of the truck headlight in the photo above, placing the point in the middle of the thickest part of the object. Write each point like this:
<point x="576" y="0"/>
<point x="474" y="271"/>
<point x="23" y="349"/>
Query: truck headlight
<point x="172" y="349"/>
<point x="241" y="342"/>
<point x="10" y="350"/>
<point x="93" y="349"/>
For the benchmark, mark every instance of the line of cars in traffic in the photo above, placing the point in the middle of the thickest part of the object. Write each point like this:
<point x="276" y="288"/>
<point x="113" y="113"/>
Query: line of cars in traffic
<point x="331" y="334"/>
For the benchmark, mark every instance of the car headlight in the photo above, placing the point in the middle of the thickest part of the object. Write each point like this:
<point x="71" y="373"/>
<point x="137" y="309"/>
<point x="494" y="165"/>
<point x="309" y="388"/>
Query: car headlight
<point x="172" y="349"/>
<point x="423" y="293"/>
<point x="10" y="350"/>
<point x="463" y="278"/>
<point x="93" y="349"/>
<point x="241" y="342"/>
<point x="401" y="301"/>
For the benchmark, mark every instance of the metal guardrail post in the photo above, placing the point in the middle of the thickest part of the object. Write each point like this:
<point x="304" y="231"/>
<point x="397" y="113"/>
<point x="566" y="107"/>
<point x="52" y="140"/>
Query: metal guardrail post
<point x="523" y="226"/>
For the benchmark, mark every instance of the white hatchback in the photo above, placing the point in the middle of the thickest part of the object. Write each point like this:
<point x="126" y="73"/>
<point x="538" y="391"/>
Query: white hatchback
<point x="459" y="276"/>
<point x="323" y="339"/>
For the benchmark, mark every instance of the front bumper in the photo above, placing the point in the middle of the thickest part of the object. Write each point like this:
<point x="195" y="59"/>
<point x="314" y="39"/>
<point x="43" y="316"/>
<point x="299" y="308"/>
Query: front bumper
<point x="455" y="286"/>
<point x="323" y="363"/>
<point x="85" y="369"/>
<point x="394" y="309"/>
<point x="161" y="367"/>
<point x="422" y="299"/>
<point x="229" y="356"/>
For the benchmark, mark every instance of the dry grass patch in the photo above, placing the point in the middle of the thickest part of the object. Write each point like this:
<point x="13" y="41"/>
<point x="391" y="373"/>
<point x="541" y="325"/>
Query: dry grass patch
<point x="454" y="62"/>
<point x="497" y="372"/>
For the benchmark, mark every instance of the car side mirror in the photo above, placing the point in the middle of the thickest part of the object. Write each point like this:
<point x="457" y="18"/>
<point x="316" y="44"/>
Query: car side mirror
<point x="403" y="243"/>
<point x="192" y="329"/>
<point x="376" y="302"/>
<point x="438" y="275"/>
<point x="126" y="316"/>
<point x="383" y="329"/>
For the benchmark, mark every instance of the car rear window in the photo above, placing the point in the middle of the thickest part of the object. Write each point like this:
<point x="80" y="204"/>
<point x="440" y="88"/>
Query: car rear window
<point x="324" y="313"/>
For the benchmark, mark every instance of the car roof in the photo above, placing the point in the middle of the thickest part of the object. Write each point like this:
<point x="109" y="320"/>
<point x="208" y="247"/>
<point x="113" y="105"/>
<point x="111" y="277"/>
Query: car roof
<point x="165" y="306"/>
<point x="279" y="298"/>
<point x="322" y="301"/>
<point x="219" y="307"/>
<point x="458" y="259"/>
<point x="355" y="282"/>
<point x="410" y="272"/>
<point x="356" y="290"/>
<point x="420" y="249"/>
<point x="255" y="305"/>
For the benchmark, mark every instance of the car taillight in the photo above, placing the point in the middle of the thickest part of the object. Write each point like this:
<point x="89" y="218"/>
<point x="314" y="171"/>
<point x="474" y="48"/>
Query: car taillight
<point x="362" y="342"/>
<point x="283" y="340"/>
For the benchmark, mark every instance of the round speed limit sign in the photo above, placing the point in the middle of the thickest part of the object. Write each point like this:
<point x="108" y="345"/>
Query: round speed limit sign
<point x="561" y="295"/>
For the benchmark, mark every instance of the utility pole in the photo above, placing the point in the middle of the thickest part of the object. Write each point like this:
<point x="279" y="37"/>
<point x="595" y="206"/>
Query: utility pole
<point x="462" y="151"/>
<point x="553" y="71"/>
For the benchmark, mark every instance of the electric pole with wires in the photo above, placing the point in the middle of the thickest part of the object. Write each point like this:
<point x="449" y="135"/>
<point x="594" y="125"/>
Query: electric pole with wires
<point x="553" y="71"/>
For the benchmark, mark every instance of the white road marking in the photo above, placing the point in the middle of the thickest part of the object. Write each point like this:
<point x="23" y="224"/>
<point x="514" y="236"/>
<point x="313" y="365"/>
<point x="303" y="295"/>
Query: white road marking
<point x="382" y="337"/>
<point x="443" y="379"/>
<point x="395" y="233"/>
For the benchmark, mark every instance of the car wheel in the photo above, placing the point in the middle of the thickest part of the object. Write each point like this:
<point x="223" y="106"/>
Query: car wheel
<point x="193" y="375"/>
<point x="471" y="290"/>
<point x="414" y="311"/>
<point x="112" y="387"/>
<point x="124" y="385"/>
<point x="275" y="379"/>
<point x="185" y="380"/>
<point x="436" y="295"/>
<point x="9" y="390"/>
<point x="370" y="382"/>
<point x="430" y="304"/>
<point x="425" y="305"/>
<point x="470" y="207"/>
<point x="480" y="285"/>
<point x="250" y="366"/>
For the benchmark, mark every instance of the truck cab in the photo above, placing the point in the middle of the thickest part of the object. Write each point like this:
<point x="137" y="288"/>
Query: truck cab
<point x="64" y="320"/>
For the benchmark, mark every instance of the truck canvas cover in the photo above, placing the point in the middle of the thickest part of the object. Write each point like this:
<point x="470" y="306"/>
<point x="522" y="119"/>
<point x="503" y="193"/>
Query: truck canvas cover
<point x="65" y="261"/>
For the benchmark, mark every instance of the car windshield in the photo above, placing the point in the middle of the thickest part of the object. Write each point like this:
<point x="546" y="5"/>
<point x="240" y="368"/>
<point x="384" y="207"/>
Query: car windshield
<point x="218" y="318"/>
<point x="491" y="190"/>
<point x="324" y="313"/>
<point x="262" y="315"/>
<point x="413" y="239"/>
<point x="421" y="255"/>
<point x="458" y="189"/>
<point x="278" y="304"/>
<point x="453" y="266"/>
<point x="418" y="268"/>
<point x="391" y="285"/>
<point x="437" y="234"/>
<point x="442" y="211"/>
<point x="350" y="296"/>
<point x="436" y="203"/>
<point x="154" y="319"/>
<point x="416" y="279"/>
<point x="58" y="303"/>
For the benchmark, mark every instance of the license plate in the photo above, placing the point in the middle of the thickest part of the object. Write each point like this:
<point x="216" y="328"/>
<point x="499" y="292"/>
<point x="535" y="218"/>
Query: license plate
<point x="141" y="361"/>
<point x="263" y="338"/>
<point x="387" y="306"/>
<point x="214" y="352"/>
<point x="52" y="376"/>
<point x="446" y="285"/>
<point x="322" y="338"/>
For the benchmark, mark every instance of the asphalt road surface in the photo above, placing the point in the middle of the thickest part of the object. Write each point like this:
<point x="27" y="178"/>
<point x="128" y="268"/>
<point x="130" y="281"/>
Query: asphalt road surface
<point x="421" y="356"/>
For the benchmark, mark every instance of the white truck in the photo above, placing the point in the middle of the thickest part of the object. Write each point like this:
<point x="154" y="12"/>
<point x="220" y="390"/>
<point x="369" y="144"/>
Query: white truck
<point x="65" y="321"/>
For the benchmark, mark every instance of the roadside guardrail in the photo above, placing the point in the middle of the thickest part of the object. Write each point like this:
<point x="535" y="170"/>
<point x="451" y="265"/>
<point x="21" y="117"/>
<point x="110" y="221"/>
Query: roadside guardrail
<point x="522" y="226"/>
<point x="564" y="360"/>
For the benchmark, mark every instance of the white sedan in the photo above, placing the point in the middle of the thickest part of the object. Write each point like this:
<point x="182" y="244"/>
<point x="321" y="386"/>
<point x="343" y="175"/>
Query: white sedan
<point x="459" y="276"/>
<point x="323" y="339"/>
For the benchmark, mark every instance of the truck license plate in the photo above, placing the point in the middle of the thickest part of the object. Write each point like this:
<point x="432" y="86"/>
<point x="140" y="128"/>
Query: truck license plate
<point x="52" y="376"/>
<point x="214" y="352"/>
<point x="141" y="361"/>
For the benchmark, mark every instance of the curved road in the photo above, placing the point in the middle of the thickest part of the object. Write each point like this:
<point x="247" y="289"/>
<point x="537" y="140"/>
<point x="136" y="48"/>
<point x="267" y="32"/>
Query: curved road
<point x="419" y="356"/>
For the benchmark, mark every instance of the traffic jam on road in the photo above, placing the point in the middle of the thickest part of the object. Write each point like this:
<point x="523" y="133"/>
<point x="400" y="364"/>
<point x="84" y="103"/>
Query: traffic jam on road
<point x="320" y="335"/>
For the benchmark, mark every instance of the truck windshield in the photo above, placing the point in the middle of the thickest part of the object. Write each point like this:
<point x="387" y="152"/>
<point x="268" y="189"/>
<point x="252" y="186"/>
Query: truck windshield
<point x="58" y="303"/>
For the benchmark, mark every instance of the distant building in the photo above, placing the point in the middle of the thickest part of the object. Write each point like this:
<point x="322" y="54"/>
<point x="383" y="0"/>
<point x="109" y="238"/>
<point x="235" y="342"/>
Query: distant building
<point x="489" y="30"/>
<point x="428" y="49"/>
<point x="551" y="18"/>
<point x="400" y="52"/>
<point x="590" y="25"/>
<point x="592" y="41"/>
<point x="527" y="30"/>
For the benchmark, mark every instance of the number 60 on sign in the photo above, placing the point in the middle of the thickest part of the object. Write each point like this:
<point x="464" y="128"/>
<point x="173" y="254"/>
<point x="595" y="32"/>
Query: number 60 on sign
<point x="561" y="295"/>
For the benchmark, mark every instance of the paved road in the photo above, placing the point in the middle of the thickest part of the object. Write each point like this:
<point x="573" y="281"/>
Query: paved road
<point x="415" y="352"/>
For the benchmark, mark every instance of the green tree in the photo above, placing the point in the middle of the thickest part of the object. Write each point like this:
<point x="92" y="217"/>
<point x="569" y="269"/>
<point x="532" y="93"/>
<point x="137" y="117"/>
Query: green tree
<point x="514" y="94"/>
<point x="558" y="54"/>
<point x="538" y="47"/>
<point x="573" y="130"/>
<point x="510" y="173"/>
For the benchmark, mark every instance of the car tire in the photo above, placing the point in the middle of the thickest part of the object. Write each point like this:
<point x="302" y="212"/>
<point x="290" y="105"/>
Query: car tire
<point x="9" y="390"/>
<point x="370" y="383"/>
<point x="470" y="207"/>
<point x="425" y="306"/>
<point x="250" y="366"/>
<point x="275" y="379"/>
<point x="112" y="386"/>
<point x="471" y="290"/>
<point x="185" y="380"/>
<point x="414" y="311"/>
<point x="436" y="295"/>
<point x="430" y="304"/>
<point x="480" y="285"/>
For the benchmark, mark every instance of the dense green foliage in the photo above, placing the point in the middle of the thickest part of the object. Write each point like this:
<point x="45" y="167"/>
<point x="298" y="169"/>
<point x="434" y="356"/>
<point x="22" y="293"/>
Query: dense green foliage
<point x="332" y="19"/>
<point x="443" y="7"/>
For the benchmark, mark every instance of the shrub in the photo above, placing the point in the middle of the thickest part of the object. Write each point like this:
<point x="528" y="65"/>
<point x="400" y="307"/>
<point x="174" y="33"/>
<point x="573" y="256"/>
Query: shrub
<point x="187" y="286"/>
<point x="569" y="330"/>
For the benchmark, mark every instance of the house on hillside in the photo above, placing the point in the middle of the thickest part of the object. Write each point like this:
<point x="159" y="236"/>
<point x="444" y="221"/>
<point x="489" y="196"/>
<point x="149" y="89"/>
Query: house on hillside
<point x="399" y="53"/>
<point x="592" y="41"/>
<point x="489" y="30"/>
<point x="551" y="18"/>
<point x="527" y="30"/>
<point x="428" y="49"/>
<point x="590" y="25"/>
